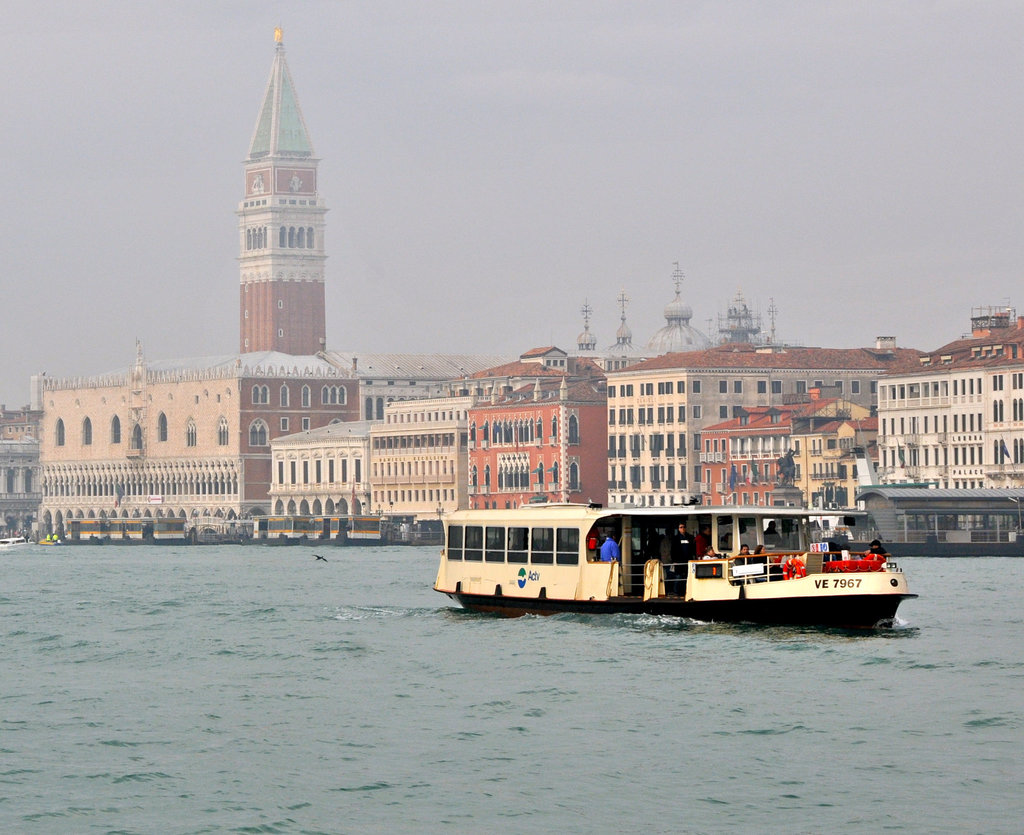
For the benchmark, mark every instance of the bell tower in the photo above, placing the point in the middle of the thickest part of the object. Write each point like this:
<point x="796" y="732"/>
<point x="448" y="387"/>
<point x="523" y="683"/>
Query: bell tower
<point x="281" y="228"/>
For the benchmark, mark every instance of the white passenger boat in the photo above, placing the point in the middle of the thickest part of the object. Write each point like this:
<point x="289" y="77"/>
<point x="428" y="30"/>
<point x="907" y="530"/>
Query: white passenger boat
<point x="13" y="541"/>
<point x="546" y="559"/>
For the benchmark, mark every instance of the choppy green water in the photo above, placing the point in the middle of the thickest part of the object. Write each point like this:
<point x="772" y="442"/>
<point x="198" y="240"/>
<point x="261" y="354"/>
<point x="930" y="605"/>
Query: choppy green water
<point x="230" y="689"/>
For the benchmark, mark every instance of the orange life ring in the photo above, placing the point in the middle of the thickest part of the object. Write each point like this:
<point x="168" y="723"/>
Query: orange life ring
<point x="793" y="568"/>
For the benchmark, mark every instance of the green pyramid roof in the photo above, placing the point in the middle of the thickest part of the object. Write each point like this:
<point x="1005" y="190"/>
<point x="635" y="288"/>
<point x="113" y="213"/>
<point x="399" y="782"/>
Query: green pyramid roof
<point x="280" y="128"/>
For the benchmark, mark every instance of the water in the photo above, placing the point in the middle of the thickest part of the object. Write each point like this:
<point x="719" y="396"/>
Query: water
<point x="230" y="689"/>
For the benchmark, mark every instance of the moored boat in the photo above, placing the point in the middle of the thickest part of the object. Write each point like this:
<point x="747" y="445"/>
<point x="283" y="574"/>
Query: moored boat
<point x="547" y="558"/>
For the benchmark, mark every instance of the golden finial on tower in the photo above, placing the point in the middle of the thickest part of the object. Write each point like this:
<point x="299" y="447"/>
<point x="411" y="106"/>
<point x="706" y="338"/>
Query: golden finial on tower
<point x="278" y="34"/>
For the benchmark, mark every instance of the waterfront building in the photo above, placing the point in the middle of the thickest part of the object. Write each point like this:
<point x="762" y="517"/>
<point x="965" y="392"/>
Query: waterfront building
<point x="20" y="491"/>
<point x="418" y="457"/>
<point x="835" y="455"/>
<point x="187" y="439"/>
<point x="954" y="418"/>
<point x="543" y="441"/>
<point x="322" y="471"/>
<point x="812" y="446"/>
<point x="658" y="408"/>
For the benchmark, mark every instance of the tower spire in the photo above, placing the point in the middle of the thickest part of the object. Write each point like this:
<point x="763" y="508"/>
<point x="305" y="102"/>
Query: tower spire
<point x="281" y="227"/>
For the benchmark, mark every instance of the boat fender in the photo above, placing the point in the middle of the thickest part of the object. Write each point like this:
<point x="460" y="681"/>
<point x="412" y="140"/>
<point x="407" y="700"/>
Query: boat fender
<point x="497" y="590"/>
<point x="793" y="568"/>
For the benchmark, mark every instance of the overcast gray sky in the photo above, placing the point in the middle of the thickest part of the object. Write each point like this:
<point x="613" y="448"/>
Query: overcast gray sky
<point x="489" y="165"/>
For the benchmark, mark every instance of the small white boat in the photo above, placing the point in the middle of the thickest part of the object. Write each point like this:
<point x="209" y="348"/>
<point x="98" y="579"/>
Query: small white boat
<point x="12" y="541"/>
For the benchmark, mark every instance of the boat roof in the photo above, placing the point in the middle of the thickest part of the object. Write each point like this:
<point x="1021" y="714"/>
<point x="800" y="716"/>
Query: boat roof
<point x="552" y="510"/>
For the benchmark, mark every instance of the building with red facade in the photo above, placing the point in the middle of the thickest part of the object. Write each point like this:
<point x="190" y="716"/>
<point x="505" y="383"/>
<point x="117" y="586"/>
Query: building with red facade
<point x="543" y="441"/>
<point x="747" y="457"/>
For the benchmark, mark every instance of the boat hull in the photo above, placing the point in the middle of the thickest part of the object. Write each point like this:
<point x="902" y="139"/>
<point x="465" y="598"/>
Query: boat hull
<point x="864" y="611"/>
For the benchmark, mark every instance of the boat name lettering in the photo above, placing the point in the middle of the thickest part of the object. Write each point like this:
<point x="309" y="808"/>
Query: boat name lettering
<point x="839" y="583"/>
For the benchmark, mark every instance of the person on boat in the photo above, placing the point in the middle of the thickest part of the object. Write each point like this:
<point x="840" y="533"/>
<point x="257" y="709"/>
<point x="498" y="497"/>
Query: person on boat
<point x="610" y="549"/>
<point x="703" y="539"/>
<point x="744" y="550"/>
<point x="684" y="548"/>
<point x="875" y="549"/>
<point x="710" y="553"/>
<point x="759" y="549"/>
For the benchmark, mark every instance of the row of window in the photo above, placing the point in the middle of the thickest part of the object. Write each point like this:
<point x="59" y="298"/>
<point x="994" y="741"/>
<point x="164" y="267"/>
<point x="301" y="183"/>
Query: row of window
<point x="258" y="432"/>
<point x="762" y="387"/>
<point x="517" y="545"/>
<point x="317" y="472"/>
<point x="521" y="477"/>
<point x="329" y="396"/>
<point x="522" y="431"/>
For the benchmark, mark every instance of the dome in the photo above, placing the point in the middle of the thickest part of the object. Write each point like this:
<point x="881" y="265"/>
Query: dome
<point x="677" y="335"/>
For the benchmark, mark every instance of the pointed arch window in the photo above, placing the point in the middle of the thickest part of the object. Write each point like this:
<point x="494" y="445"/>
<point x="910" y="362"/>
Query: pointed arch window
<point x="574" y="429"/>
<point x="574" y="476"/>
<point x="306" y="397"/>
<point x="136" y="437"/>
<point x="190" y="433"/>
<point x="86" y="432"/>
<point x="554" y="428"/>
<point x="473" y="477"/>
<point x="115" y="430"/>
<point x="257" y="433"/>
<point x="58" y="432"/>
<point x="487" y="477"/>
<point x="222" y="431"/>
<point x="284" y="395"/>
<point x="161" y="427"/>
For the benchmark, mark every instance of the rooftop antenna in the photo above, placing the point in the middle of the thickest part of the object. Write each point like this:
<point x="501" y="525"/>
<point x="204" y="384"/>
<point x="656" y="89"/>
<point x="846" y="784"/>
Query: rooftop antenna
<point x="773" y="311"/>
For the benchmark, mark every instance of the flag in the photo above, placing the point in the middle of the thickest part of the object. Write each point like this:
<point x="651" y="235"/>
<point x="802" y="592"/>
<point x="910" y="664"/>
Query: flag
<point x="732" y="478"/>
<point x="899" y="453"/>
<point x="1006" y="452"/>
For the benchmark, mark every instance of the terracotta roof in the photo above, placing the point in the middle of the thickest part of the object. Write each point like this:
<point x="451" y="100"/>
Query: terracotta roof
<point x="579" y="391"/>
<point x="971" y="352"/>
<point x="743" y="356"/>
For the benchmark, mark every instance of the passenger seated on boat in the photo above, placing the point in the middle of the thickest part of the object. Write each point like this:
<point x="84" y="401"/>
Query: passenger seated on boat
<point x="710" y="553"/>
<point x="759" y="549"/>
<point x="744" y="550"/>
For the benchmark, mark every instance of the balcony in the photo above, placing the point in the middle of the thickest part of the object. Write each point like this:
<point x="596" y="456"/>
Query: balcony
<point x="712" y="457"/>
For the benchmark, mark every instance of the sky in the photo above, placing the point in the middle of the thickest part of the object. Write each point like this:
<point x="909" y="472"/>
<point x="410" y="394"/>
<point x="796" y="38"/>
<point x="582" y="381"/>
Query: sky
<point x="491" y="166"/>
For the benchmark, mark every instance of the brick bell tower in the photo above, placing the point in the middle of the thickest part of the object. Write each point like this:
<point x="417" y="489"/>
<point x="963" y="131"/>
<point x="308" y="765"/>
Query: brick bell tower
<point x="281" y="228"/>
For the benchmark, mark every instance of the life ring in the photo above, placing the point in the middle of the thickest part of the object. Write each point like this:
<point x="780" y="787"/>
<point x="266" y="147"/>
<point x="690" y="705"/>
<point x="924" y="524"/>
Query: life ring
<point x="793" y="568"/>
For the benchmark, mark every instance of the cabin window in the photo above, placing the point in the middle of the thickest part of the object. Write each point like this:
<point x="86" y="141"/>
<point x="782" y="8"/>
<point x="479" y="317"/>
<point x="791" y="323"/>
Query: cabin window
<point x="495" y="550"/>
<point x="568" y="543"/>
<point x="543" y="542"/>
<point x="455" y="542"/>
<point x="518" y="543"/>
<point x="474" y="543"/>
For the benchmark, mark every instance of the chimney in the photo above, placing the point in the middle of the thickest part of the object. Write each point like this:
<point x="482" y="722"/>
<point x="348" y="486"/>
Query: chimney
<point x="885" y="343"/>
